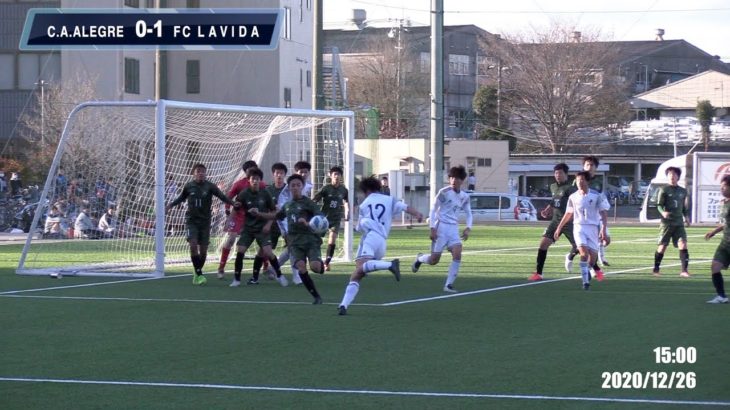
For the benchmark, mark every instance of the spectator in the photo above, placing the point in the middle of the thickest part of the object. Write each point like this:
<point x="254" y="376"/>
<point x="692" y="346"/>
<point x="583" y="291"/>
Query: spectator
<point x="108" y="222"/>
<point x="61" y="183"/>
<point x="84" y="227"/>
<point x="52" y="228"/>
<point x="471" y="181"/>
<point x="15" y="184"/>
<point x="385" y="188"/>
<point x="3" y="183"/>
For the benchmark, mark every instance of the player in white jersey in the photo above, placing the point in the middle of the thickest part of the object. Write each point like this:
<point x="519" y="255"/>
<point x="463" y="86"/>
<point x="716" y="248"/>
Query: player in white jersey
<point x="302" y="168"/>
<point x="589" y="211"/>
<point x="444" y="221"/>
<point x="375" y="217"/>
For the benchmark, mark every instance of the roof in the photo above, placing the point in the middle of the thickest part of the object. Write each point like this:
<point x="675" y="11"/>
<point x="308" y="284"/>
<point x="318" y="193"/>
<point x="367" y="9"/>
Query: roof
<point x="684" y="94"/>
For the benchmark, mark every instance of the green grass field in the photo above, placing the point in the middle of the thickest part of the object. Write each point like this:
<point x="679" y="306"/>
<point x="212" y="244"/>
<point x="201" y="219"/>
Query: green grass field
<point x="500" y="343"/>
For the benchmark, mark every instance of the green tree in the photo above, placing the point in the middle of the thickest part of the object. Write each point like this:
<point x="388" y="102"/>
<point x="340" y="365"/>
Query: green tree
<point x="705" y="111"/>
<point x="486" y="111"/>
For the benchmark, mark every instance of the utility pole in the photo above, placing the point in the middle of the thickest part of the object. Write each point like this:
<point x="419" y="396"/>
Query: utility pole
<point x="499" y="93"/>
<point x="437" y="97"/>
<point x="42" y="84"/>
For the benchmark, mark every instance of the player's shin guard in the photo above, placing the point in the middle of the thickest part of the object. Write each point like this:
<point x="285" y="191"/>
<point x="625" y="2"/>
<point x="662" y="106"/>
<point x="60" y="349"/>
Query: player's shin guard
<point x="283" y="256"/>
<point x="684" y="258"/>
<point x="275" y="264"/>
<point x="238" y="266"/>
<point x="373" y="265"/>
<point x="350" y="293"/>
<point x="719" y="283"/>
<point x="425" y="258"/>
<point x="309" y="284"/>
<point x="330" y="252"/>
<point x="657" y="260"/>
<point x="224" y="258"/>
<point x="573" y="252"/>
<point x="257" y="262"/>
<point x="585" y="272"/>
<point x="195" y="259"/>
<point x="541" y="256"/>
<point x="453" y="272"/>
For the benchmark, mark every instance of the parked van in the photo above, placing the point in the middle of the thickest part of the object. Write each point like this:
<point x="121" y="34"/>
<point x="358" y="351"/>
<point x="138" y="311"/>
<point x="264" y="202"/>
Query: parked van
<point x="491" y="206"/>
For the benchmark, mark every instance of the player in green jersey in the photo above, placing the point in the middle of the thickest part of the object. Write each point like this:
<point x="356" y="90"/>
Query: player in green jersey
<point x="673" y="205"/>
<point x="258" y="204"/>
<point x="561" y="190"/>
<point x="721" y="259"/>
<point x="333" y="197"/>
<point x="199" y="194"/>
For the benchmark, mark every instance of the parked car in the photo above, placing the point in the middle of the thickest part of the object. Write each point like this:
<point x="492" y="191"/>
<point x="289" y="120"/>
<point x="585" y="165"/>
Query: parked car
<point x="492" y="206"/>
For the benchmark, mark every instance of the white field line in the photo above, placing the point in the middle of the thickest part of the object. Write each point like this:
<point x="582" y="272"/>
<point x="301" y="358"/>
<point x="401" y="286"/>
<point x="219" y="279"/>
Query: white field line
<point x="368" y="392"/>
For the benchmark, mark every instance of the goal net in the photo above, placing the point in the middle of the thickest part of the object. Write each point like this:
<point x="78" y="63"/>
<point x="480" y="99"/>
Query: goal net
<point x="129" y="159"/>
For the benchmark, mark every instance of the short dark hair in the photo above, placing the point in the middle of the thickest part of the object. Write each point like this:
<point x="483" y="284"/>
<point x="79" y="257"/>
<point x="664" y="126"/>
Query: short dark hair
<point x="199" y="165"/>
<point x="676" y="170"/>
<point x="370" y="184"/>
<point x="385" y="178"/>
<point x="302" y="165"/>
<point x="457" y="172"/>
<point x="293" y="177"/>
<point x="725" y="180"/>
<point x="248" y="164"/>
<point x="280" y="166"/>
<point x="337" y="169"/>
<point x="561" y="166"/>
<point x="585" y="174"/>
<point x="591" y="158"/>
<point x="254" y="171"/>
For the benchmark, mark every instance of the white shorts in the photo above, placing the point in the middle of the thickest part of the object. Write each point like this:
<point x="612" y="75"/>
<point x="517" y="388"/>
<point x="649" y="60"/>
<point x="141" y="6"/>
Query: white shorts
<point x="372" y="246"/>
<point x="447" y="235"/>
<point x="586" y="236"/>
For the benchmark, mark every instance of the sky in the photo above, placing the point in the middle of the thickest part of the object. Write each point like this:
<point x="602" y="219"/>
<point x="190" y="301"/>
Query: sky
<point x="703" y="23"/>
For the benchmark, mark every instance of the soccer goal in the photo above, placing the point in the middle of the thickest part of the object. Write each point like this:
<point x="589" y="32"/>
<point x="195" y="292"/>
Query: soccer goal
<point x="131" y="158"/>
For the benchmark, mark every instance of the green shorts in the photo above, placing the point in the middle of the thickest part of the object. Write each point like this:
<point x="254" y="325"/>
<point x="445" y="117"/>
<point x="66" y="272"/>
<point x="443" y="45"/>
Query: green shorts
<point x="247" y="238"/>
<point x="306" y="249"/>
<point x="198" y="232"/>
<point x="567" y="232"/>
<point x="673" y="232"/>
<point x="722" y="255"/>
<point x="334" y="224"/>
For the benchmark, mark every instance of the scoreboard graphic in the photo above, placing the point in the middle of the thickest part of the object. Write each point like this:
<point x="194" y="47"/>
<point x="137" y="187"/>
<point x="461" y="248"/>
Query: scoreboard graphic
<point x="164" y="29"/>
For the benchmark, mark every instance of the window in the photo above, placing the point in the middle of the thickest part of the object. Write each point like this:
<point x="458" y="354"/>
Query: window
<point x="425" y="62"/>
<point x="50" y="68"/>
<point x="132" y="3"/>
<point x="309" y="4"/>
<point x="309" y="78"/>
<point x="484" y="162"/>
<point x="490" y="202"/>
<point x="192" y="4"/>
<point x="301" y="85"/>
<point x="192" y="74"/>
<point x="287" y="97"/>
<point x="287" y="23"/>
<point x="131" y="75"/>
<point x="301" y="11"/>
<point x="7" y="72"/>
<point x="458" y="64"/>
<point x="28" y="69"/>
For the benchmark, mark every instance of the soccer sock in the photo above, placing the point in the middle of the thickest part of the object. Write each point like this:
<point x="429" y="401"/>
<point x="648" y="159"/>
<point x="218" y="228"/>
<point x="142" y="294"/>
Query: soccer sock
<point x="257" y="262"/>
<point x="719" y="283"/>
<point x="196" y="263"/>
<point x="573" y="252"/>
<point x="684" y="258"/>
<point x="309" y="283"/>
<point x="602" y="252"/>
<point x="453" y="272"/>
<point x="596" y="267"/>
<point x="201" y="262"/>
<point x="350" y="293"/>
<point x="224" y="258"/>
<point x="585" y="272"/>
<point x="657" y="260"/>
<point x="373" y="265"/>
<point x="424" y="258"/>
<point x="275" y="264"/>
<point x="541" y="256"/>
<point x="330" y="252"/>
<point x="284" y="256"/>
<point x="238" y="266"/>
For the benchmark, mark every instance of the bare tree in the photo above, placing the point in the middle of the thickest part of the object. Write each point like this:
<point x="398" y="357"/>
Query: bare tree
<point x="559" y="87"/>
<point x="387" y="79"/>
<point x="42" y="125"/>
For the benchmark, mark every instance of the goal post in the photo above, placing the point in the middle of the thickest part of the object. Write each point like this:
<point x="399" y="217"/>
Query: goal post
<point x="129" y="159"/>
